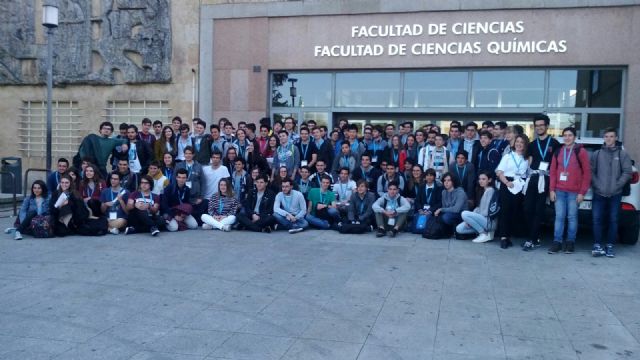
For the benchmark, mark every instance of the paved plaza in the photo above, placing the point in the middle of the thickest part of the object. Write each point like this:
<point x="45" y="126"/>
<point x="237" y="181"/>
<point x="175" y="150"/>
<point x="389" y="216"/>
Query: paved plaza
<point x="314" y="295"/>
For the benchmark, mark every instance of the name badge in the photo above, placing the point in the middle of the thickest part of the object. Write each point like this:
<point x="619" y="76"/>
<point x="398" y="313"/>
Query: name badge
<point x="304" y="163"/>
<point x="391" y="221"/>
<point x="188" y="183"/>
<point x="113" y="215"/>
<point x="564" y="176"/>
<point x="374" y="159"/>
<point x="544" y="166"/>
<point x="426" y="207"/>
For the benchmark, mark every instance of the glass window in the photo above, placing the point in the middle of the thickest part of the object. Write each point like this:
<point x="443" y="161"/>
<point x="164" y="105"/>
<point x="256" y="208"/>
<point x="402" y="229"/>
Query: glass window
<point x="308" y="89"/>
<point x="321" y="118"/>
<point x="519" y="88"/>
<point x="560" y="121"/>
<point x="596" y="123"/>
<point x="368" y="89"/>
<point x="281" y="116"/>
<point x="435" y="89"/>
<point x="585" y="88"/>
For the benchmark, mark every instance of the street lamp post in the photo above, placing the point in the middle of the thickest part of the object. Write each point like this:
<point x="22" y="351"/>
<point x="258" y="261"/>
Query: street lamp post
<point x="50" y="21"/>
<point x="293" y="92"/>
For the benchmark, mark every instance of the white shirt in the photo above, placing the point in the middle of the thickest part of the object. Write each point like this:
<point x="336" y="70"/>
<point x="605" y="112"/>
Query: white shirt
<point x="513" y="164"/>
<point x="134" y="162"/>
<point x="212" y="178"/>
<point x="344" y="190"/>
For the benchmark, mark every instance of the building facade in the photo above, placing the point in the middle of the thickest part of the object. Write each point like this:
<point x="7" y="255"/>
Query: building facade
<point x="424" y="61"/>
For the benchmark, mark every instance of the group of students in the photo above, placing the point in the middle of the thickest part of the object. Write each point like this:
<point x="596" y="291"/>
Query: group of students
<point x="469" y="182"/>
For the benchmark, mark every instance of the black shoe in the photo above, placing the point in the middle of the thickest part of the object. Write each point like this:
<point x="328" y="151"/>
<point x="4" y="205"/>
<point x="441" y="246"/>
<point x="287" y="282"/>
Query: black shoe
<point x="129" y="230"/>
<point x="154" y="231"/>
<point x="537" y="242"/>
<point x="392" y="233"/>
<point x="380" y="232"/>
<point x="504" y="243"/>
<point x="555" y="248"/>
<point x="528" y="246"/>
<point x="569" y="248"/>
<point x="267" y="230"/>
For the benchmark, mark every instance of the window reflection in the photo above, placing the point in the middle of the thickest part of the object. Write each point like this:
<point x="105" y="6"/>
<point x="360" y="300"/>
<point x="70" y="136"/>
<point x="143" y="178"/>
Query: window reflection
<point x="585" y="88"/>
<point x="435" y="89"/>
<point x="508" y="88"/>
<point x="368" y="89"/>
<point x="560" y="121"/>
<point x="311" y="89"/>
<point x="597" y="123"/>
<point x="321" y="118"/>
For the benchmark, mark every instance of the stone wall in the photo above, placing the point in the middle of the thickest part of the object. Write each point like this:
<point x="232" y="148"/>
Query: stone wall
<point x="97" y="42"/>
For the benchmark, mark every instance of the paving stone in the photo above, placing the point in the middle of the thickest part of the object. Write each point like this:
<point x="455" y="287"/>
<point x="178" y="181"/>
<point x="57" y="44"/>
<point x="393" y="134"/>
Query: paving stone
<point x="528" y="348"/>
<point x="189" y="342"/>
<point x="304" y="349"/>
<point x="469" y="343"/>
<point x="250" y="346"/>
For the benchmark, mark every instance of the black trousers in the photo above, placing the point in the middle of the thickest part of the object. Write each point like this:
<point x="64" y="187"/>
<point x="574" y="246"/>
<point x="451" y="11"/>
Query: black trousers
<point x="534" y="207"/>
<point x="142" y="222"/>
<point x="509" y="220"/>
<point x="257" y="226"/>
<point x="23" y="227"/>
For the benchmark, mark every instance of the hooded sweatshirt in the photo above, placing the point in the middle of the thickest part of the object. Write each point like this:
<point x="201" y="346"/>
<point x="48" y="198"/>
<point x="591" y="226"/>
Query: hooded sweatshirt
<point x="454" y="201"/>
<point x="611" y="169"/>
<point x="579" y="171"/>
<point x="402" y="205"/>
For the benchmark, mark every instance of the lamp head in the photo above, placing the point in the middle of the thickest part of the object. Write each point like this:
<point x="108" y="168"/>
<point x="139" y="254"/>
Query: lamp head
<point x="50" y="14"/>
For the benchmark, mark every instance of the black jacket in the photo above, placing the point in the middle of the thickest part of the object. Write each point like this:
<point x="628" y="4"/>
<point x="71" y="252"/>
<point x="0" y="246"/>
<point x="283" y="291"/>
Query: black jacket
<point x="371" y="177"/>
<point x="172" y="196"/>
<point x="266" y="205"/>
<point x="435" y="201"/>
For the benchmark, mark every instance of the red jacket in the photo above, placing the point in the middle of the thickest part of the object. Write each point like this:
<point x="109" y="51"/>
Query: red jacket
<point x="579" y="178"/>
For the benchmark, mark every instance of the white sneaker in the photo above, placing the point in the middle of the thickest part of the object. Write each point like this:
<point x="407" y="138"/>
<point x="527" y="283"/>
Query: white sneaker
<point x="17" y="235"/>
<point x="207" y="227"/>
<point x="114" y="231"/>
<point x="295" y="230"/>
<point x="226" y="228"/>
<point x="482" y="238"/>
<point x="9" y="230"/>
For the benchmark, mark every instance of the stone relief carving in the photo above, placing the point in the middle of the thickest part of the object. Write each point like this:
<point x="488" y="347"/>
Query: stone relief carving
<point x="97" y="42"/>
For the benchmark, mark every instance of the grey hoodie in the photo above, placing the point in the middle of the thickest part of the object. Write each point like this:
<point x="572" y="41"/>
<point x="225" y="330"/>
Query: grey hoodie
<point x="608" y="176"/>
<point x="403" y="205"/>
<point x="454" y="201"/>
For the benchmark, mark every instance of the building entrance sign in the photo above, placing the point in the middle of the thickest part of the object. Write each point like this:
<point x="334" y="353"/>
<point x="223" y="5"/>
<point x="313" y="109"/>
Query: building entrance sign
<point x="424" y="40"/>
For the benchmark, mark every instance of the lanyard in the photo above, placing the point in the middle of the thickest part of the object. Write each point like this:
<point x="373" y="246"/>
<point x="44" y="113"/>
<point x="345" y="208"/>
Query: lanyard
<point x="345" y="161"/>
<point x="180" y="194"/>
<point x="220" y="205"/>
<point x="322" y="198"/>
<point x="464" y="170"/>
<point x="543" y="154"/>
<point x="566" y="158"/>
<point x="198" y="140"/>
<point x="393" y="204"/>
<point x="498" y="145"/>
<point x="304" y="186"/>
<point x="57" y="178"/>
<point x="189" y="168"/>
<point x="375" y="146"/>
<point x="454" y="149"/>
<point x="241" y="150"/>
<point x="318" y="145"/>
<point x="427" y="188"/>
<point x="354" y="146"/>
<point x="113" y="197"/>
<point x="517" y="163"/>
<point x="168" y="172"/>
<point x="480" y="158"/>
<point x="361" y="206"/>
<point x="396" y="154"/>
<point x="343" y="191"/>
<point x="90" y="190"/>
<point x="304" y="148"/>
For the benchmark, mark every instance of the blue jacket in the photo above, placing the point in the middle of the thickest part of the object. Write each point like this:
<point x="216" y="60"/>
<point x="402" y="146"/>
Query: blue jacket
<point x="29" y="205"/>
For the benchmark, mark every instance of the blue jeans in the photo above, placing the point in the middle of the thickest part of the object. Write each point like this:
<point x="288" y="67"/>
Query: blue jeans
<point x="605" y="213"/>
<point x="287" y="225"/>
<point x="451" y="219"/>
<point x="321" y="223"/>
<point x="566" y="209"/>
<point x="473" y="223"/>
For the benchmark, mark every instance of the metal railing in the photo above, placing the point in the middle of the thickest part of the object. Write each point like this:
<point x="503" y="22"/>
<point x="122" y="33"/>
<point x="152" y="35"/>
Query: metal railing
<point x="26" y="179"/>
<point x="15" y="198"/>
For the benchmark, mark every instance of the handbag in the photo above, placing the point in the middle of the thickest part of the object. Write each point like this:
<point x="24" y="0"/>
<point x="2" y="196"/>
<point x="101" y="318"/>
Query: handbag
<point x="40" y="226"/>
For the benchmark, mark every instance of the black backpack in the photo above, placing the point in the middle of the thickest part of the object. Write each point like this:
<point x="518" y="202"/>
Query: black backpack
<point x="494" y="205"/>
